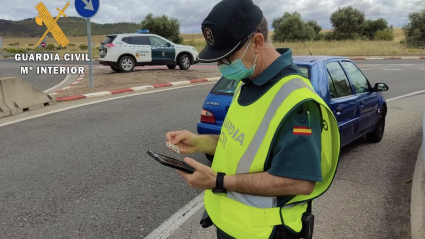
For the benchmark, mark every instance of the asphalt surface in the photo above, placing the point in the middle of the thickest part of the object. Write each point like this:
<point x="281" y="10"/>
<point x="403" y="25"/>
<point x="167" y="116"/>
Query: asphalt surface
<point x="84" y="172"/>
<point x="10" y="68"/>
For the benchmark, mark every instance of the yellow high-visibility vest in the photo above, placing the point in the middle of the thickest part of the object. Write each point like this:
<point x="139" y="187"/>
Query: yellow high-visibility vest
<point x="244" y="144"/>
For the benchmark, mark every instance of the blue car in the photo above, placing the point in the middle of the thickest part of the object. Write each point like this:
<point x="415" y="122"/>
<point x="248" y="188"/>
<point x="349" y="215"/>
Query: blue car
<point x="359" y="107"/>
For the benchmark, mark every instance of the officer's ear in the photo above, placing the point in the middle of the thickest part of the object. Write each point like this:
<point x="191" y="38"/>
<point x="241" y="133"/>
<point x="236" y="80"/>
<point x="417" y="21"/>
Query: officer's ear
<point x="258" y="40"/>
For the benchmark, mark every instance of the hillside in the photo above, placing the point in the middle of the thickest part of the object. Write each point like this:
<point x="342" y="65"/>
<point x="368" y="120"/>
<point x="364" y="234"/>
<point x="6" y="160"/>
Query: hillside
<point x="71" y="26"/>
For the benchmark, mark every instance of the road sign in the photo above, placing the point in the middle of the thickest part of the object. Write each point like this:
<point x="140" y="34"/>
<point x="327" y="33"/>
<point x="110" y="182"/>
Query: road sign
<point x="87" y="8"/>
<point x="43" y="44"/>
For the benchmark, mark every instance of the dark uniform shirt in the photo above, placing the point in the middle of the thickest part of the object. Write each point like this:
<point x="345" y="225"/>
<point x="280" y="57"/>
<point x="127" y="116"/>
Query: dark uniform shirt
<point x="292" y="155"/>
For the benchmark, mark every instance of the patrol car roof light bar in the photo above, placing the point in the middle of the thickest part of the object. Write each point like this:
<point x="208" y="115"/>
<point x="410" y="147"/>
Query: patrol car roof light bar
<point x="142" y="31"/>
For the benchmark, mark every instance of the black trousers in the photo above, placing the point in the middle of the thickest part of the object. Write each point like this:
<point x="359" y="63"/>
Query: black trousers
<point x="281" y="233"/>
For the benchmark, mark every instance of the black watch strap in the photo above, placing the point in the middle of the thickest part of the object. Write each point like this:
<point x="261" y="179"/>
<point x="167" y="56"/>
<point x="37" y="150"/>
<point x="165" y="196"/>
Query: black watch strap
<point x="219" y="184"/>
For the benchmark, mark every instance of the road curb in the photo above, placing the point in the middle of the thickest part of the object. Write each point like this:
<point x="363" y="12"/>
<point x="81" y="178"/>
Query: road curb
<point x="80" y="78"/>
<point x="131" y="89"/>
<point x="417" y="203"/>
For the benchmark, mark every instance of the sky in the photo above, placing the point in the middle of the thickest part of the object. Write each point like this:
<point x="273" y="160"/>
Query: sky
<point x="191" y="13"/>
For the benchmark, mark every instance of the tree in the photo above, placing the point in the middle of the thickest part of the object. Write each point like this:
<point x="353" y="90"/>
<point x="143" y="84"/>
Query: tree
<point x="414" y="30"/>
<point x="372" y="27"/>
<point x="168" y="28"/>
<point x="290" y="27"/>
<point x="348" y="23"/>
<point x="317" y="28"/>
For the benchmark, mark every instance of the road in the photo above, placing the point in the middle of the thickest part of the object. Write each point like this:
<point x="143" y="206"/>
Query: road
<point x="84" y="172"/>
<point x="394" y="68"/>
<point x="10" y="68"/>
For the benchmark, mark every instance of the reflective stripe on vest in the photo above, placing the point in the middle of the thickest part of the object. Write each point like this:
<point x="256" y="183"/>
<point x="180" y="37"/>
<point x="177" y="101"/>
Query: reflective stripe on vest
<point x="248" y="157"/>
<point x="243" y="147"/>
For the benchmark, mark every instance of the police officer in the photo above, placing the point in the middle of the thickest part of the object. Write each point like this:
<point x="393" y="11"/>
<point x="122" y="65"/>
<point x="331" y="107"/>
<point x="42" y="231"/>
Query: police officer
<point x="279" y="144"/>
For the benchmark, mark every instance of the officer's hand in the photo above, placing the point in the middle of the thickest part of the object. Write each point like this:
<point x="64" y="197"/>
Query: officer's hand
<point x="186" y="141"/>
<point x="203" y="178"/>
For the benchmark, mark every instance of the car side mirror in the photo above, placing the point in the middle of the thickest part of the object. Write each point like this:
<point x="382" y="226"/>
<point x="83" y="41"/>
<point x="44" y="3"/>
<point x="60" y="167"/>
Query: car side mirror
<point x="381" y="87"/>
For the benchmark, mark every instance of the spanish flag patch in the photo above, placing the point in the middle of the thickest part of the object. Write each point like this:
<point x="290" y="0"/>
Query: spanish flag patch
<point x="301" y="130"/>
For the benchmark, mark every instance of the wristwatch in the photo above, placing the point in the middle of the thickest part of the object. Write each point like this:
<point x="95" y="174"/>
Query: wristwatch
<point x="219" y="184"/>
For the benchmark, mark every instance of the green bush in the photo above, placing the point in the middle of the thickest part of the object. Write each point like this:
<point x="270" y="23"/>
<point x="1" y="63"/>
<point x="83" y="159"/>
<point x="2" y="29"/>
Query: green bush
<point x="83" y="47"/>
<point x="71" y="44"/>
<point x="414" y="30"/>
<point x="403" y="41"/>
<point x="50" y="47"/>
<point x="16" y="50"/>
<point x="320" y="37"/>
<point x="58" y="48"/>
<point x="11" y="44"/>
<point x="30" y="44"/>
<point x="330" y="36"/>
<point x="17" y="43"/>
<point x="29" y="49"/>
<point x="385" y="35"/>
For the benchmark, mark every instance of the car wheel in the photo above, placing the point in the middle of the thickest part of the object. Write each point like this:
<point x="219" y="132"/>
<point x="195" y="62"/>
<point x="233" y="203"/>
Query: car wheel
<point x="116" y="68"/>
<point x="172" y="66"/>
<point x="378" y="133"/>
<point x="184" y="62"/>
<point x="209" y="157"/>
<point x="126" y="64"/>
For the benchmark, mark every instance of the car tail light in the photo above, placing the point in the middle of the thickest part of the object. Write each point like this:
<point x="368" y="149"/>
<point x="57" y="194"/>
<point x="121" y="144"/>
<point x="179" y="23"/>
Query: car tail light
<point x="207" y="116"/>
<point x="109" y="45"/>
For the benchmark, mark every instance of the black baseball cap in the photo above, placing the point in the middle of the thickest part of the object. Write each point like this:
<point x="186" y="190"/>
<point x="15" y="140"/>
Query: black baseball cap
<point x="227" y="27"/>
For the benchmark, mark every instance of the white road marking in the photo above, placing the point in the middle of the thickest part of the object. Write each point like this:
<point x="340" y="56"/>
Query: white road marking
<point x="401" y="64"/>
<point x="392" y="69"/>
<point x="66" y="78"/>
<point x="406" y="95"/>
<point x="175" y="221"/>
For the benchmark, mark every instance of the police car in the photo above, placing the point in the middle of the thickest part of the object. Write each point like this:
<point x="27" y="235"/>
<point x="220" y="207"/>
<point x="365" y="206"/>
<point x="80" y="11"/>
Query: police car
<point x="122" y="52"/>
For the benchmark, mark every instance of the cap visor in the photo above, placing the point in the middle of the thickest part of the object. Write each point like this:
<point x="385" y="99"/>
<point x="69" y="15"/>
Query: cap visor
<point x="207" y="55"/>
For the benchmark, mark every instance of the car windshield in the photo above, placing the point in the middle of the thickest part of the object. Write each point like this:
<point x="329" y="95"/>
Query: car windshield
<point x="227" y="87"/>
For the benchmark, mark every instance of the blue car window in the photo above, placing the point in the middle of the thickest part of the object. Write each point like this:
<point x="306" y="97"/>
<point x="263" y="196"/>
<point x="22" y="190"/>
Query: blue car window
<point x="332" y="91"/>
<point x="358" y="80"/>
<point x="225" y="86"/>
<point x="342" y="85"/>
<point x="305" y="70"/>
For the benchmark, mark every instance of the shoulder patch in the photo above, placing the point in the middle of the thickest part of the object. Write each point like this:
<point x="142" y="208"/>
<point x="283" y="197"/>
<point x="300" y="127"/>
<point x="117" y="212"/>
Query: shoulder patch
<point x="301" y="130"/>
